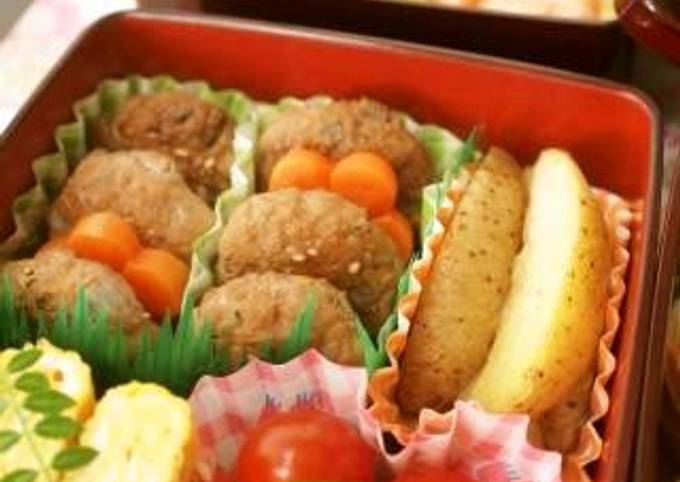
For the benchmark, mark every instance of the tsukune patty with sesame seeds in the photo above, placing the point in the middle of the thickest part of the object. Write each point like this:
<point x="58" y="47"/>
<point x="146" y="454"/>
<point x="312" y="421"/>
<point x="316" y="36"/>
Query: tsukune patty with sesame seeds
<point x="197" y="134"/>
<point x="143" y="187"/>
<point x="317" y="234"/>
<point x="343" y="127"/>
<point x="52" y="279"/>
<point x="252" y="310"/>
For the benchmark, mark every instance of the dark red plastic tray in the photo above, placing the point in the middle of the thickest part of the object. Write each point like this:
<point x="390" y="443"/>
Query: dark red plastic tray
<point x="612" y="130"/>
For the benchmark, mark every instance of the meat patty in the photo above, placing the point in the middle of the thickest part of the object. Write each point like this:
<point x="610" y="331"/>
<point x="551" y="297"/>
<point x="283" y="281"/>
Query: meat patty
<point x="145" y="188"/>
<point x="51" y="280"/>
<point x="317" y="234"/>
<point x="341" y="128"/>
<point x="196" y="133"/>
<point x="258" y="308"/>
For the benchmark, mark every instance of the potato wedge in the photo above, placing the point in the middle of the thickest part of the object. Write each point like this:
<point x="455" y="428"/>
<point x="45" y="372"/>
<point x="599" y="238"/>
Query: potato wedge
<point x="561" y="425"/>
<point x="555" y="312"/>
<point x="456" y="320"/>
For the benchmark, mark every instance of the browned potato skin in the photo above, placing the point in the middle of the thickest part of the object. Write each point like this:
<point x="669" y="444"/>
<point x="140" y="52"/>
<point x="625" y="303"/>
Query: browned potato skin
<point x="561" y="426"/>
<point x="344" y="127"/>
<point x="317" y="234"/>
<point x="257" y="308"/>
<point x="457" y="317"/>
<point x="196" y="133"/>
<point x="555" y="312"/>
<point x="50" y="281"/>
<point x="145" y="188"/>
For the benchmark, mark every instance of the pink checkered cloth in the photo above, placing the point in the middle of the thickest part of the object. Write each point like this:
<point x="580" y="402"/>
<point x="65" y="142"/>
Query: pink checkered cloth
<point x="485" y="447"/>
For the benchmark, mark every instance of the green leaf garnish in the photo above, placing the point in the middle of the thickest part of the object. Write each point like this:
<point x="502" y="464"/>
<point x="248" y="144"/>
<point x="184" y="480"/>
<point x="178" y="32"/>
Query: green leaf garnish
<point x="300" y="337"/>
<point x="48" y="402"/>
<point x="32" y="382"/>
<point x="23" y="360"/>
<point x="177" y="358"/>
<point x="375" y="353"/>
<point x="21" y="475"/>
<point x="24" y="397"/>
<point x="8" y="438"/>
<point x="372" y="359"/>
<point x="13" y="326"/>
<point x="298" y="340"/>
<point x="173" y="357"/>
<point x="57" y="426"/>
<point x="266" y="351"/>
<point x="73" y="457"/>
<point x="463" y="156"/>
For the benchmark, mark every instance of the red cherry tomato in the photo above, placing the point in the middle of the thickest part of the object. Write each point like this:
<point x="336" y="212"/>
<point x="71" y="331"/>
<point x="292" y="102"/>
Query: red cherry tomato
<point x="432" y="475"/>
<point x="304" y="446"/>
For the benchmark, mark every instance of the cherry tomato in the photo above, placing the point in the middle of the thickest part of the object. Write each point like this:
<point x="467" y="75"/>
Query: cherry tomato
<point x="304" y="446"/>
<point x="432" y="475"/>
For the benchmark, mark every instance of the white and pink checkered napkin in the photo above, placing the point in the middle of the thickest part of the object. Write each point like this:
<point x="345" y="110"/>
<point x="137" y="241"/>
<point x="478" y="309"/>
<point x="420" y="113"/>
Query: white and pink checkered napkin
<point x="489" y="448"/>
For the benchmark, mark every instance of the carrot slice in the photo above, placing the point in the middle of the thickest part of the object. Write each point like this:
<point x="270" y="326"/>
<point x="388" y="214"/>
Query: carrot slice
<point x="104" y="237"/>
<point x="302" y="169"/>
<point x="158" y="278"/>
<point x="367" y="180"/>
<point x="397" y="227"/>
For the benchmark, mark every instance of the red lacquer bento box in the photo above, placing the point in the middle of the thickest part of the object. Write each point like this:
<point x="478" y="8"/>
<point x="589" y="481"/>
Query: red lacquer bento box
<point x="611" y="129"/>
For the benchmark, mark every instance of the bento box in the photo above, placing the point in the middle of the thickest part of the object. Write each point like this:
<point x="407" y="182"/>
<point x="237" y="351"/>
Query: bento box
<point x="657" y="24"/>
<point x="657" y="442"/>
<point x="257" y="74"/>
<point x="595" y="47"/>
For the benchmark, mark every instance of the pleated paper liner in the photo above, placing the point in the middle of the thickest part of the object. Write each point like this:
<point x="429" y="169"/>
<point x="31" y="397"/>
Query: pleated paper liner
<point x="383" y="409"/>
<point x="619" y="216"/>
<point x="487" y="447"/>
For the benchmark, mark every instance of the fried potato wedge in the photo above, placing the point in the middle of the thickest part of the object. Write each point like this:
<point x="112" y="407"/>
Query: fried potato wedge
<point x="457" y="318"/>
<point x="561" y="426"/>
<point x="555" y="312"/>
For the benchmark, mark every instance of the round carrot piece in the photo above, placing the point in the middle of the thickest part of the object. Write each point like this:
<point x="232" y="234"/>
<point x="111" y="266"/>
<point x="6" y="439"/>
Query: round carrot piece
<point x="158" y="278"/>
<point x="104" y="237"/>
<point x="397" y="227"/>
<point x="303" y="169"/>
<point x="367" y="180"/>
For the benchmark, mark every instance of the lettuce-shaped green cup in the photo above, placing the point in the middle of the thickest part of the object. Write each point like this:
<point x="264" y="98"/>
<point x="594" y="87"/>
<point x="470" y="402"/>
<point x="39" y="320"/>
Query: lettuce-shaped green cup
<point x="447" y="153"/>
<point x="31" y="210"/>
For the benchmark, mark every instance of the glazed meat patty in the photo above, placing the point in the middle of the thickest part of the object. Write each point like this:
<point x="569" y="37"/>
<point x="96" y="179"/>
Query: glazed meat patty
<point x="257" y="308"/>
<point x="196" y="133"/>
<point x="344" y="127"/>
<point x="317" y="234"/>
<point x="145" y="188"/>
<point x="50" y="281"/>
